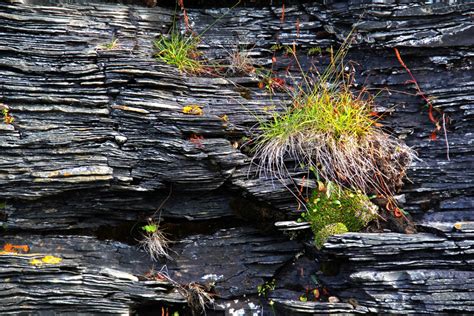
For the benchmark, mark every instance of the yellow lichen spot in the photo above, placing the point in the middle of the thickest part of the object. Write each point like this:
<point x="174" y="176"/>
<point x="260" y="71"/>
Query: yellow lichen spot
<point x="458" y="226"/>
<point x="269" y="108"/>
<point x="45" y="260"/>
<point x="225" y="118"/>
<point x="36" y="262"/>
<point x="51" y="260"/>
<point x="193" y="109"/>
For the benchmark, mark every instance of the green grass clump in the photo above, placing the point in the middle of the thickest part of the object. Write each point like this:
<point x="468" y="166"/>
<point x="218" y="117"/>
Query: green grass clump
<point x="329" y="114"/>
<point x="335" y="205"/>
<point x="333" y="130"/>
<point x="332" y="229"/>
<point x="179" y="50"/>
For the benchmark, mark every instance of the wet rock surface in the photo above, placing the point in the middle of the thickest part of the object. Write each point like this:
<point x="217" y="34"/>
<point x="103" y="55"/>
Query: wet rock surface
<point x="99" y="139"/>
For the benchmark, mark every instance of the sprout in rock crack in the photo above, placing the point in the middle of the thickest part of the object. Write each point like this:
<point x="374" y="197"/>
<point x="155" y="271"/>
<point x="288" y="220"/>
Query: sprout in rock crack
<point x="154" y="241"/>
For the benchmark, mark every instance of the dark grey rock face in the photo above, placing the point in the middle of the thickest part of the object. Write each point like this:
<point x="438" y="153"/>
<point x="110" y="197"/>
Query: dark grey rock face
<point x="431" y="274"/>
<point x="100" y="140"/>
<point x="93" y="277"/>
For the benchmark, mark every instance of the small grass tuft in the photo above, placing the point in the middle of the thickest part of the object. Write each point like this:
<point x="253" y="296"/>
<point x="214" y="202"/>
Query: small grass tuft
<point x="241" y="63"/>
<point x="154" y="241"/>
<point x="179" y="50"/>
<point x="113" y="44"/>
<point x="198" y="298"/>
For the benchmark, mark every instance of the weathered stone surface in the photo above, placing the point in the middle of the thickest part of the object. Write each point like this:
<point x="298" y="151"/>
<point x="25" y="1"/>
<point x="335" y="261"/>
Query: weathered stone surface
<point x="92" y="277"/>
<point x="237" y="260"/>
<point x="100" y="139"/>
<point x="119" y="111"/>
<point x="431" y="274"/>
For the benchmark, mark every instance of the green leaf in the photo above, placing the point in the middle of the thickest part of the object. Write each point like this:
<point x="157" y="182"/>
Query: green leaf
<point x="303" y="298"/>
<point x="151" y="228"/>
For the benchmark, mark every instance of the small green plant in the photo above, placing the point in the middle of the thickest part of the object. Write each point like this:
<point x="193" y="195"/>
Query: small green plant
<point x="335" y="210"/>
<point x="265" y="288"/>
<point x="154" y="241"/>
<point x="315" y="51"/>
<point x="150" y="228"/>
<point x="179" y="50"/>
<point x="7" y="118"/>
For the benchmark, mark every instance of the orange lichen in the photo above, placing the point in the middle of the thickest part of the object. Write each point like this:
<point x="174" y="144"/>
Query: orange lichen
<point x="9" y="248"/>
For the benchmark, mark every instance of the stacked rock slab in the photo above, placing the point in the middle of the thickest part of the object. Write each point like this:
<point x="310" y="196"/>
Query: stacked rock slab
<point x="100" y="140"/>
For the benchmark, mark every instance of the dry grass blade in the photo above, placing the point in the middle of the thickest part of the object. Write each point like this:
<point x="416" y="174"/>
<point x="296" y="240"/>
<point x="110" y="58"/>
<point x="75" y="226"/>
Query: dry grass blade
<point x="198" y="298"/>
<point x="240" y="62"/>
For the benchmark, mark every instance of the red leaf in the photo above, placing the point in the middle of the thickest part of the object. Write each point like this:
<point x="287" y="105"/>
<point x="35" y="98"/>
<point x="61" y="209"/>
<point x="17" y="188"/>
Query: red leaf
<point x="430" y="114"/>
<point x="282" y="19"/>
<point x="278" y="81"/>
<point x="397" y="212"/>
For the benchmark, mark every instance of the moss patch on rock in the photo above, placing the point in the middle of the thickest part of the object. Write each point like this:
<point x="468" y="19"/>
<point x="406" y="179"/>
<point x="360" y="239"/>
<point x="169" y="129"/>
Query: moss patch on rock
<point x="334" y="210"/>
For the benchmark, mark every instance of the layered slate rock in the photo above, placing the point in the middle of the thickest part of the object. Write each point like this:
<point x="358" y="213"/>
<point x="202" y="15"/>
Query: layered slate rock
<point x="431" y="273"/>
<point x="100" y="140"/>
<point x="92" y="277"/>
<point x="235" y="260"/>
<point x="111" y="120"/>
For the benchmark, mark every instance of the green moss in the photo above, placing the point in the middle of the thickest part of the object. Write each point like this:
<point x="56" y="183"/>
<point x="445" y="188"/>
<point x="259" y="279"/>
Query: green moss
<point x="321" y="236"/>
<point x="334" y="210"/>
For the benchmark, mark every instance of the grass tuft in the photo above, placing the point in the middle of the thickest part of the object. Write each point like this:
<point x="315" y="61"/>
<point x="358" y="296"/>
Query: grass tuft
<point x="179" y="50"/>
<point x="154" y="242"/>
<point x="331" y="130"/>
<point x="198" y="298"/>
